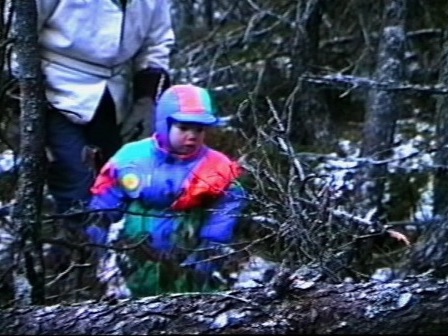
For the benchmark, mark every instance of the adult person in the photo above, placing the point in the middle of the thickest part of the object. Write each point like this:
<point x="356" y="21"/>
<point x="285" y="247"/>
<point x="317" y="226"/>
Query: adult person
<point x="181" y="199"/>
<point x="101" y="60"/>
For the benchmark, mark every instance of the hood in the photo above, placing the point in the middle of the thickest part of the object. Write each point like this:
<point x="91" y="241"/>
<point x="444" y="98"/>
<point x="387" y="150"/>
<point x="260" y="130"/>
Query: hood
<point x="183" y="103"/>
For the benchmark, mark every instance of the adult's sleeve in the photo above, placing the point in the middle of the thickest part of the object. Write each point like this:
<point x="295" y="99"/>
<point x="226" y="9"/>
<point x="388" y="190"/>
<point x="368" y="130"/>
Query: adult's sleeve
<point x="156" y="48"/>
<point x="45" y="9"/>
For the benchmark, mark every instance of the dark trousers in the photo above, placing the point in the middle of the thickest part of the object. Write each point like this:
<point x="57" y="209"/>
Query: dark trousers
<point x="70" y="175"/>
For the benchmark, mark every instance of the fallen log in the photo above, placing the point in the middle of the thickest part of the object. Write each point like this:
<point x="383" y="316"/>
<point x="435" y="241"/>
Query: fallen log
<point x="415" y="305"/>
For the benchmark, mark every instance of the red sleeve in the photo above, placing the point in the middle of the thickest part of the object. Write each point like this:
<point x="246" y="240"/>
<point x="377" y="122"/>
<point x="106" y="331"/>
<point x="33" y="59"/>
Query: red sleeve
<point x="105" y="180"/>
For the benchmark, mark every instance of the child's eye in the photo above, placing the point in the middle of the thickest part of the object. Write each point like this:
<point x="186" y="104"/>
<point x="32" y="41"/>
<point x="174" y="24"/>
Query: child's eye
<point x="185" y="128"/>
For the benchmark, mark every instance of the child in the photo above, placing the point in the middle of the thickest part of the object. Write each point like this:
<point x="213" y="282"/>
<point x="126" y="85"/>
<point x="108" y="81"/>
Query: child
<point x="181" y="199"/>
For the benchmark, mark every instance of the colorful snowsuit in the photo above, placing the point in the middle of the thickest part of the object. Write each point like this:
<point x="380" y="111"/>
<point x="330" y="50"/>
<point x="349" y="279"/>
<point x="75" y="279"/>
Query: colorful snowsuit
<point x="174" y="206"/>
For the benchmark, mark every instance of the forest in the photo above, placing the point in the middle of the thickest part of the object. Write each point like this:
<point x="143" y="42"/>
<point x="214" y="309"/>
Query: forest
<point x="338" y="112"/>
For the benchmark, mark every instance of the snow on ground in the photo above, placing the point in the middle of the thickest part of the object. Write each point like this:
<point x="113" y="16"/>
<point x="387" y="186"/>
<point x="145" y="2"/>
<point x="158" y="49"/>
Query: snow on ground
<point x="410" y="155"/>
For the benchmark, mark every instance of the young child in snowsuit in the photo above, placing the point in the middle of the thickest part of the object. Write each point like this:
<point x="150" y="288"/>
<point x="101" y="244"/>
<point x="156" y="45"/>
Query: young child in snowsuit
<point x="181" y="200"/>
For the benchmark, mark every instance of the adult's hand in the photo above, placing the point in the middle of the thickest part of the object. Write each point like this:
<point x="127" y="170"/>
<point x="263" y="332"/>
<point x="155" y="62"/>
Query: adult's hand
<point x="140" y="121"/>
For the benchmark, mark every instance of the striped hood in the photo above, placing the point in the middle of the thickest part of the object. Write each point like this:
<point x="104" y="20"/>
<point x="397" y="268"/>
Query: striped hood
<point x="183" y="103"/>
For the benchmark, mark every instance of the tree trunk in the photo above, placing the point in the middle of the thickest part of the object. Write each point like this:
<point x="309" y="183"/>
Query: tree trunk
<point x="431" y="252"/>
<point x="209" y="14"/>
<point x="412" y="306"/>
<point x="441" y="157"/>
<point x="383" y="106"/>
<point x="29" y="191"/>
<point x="312" y="123"/>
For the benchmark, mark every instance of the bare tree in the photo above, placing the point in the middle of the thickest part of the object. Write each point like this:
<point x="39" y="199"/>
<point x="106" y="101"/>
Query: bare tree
<point x="308" y="107"/>
<point x="383" y="107"/>
<point x="29" y="190"/>
<point x="431" y="251"/>
<point x="441" y="158"/>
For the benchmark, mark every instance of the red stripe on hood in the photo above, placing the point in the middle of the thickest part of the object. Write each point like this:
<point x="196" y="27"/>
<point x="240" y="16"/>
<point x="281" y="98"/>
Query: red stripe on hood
<point x="190" y="101"/>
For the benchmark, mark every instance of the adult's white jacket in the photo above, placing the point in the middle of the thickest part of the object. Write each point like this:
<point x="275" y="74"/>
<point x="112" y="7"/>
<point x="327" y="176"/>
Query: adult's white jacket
<point x="88" y="45"/>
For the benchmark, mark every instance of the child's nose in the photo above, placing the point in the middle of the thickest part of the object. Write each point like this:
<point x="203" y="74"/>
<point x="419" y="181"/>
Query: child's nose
<point x="193" y="133"/>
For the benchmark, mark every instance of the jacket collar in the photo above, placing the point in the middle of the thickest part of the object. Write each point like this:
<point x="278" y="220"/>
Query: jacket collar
<point x="166" y="155"/>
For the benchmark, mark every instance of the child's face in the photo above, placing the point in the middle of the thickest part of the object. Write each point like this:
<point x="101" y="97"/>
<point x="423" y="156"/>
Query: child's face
<point x="186" y="138"/>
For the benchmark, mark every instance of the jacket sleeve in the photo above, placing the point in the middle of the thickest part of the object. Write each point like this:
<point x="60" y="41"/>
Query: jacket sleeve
<point x="155" y="51"/>
<point x="219" y="229"/>
<point x="107" y="194"/>
<point x="225" y="215"/>
<point x="45" y="9"/>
